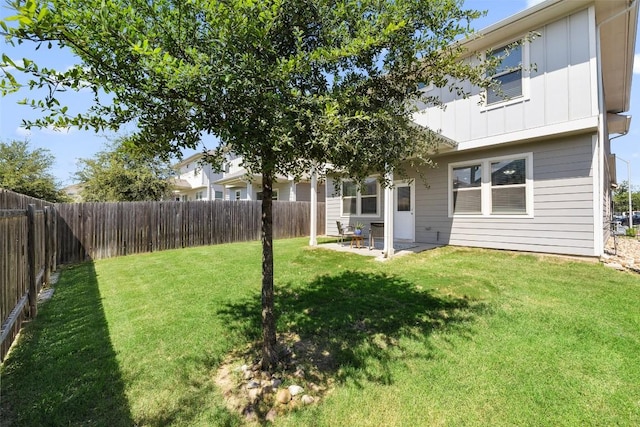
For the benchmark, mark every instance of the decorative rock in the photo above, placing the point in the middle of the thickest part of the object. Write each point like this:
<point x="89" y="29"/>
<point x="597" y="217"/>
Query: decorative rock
<point x="271" y="415"/>
<point x="254" y="394"/>
<point x="276" y="382"/>
<point x="307" y="400"/>
<point x="283" y="396"/>
<point x="295" y="390"/>
<point x="244" y="368"/>
<point x="266" y="375"/>
<point x="249" y="413"/>
<point x="247" y="375"/>
<point x="253" y="384"/>
<point x="615" y="265"/>
<point x="299" y="373"/>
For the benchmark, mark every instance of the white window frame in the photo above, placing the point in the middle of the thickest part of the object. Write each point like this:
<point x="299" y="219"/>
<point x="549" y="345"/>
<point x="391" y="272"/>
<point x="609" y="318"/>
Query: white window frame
<point x="486" y="202"/>
<point x="199" y="195"/>
<point x="526" y="74"/>
<point x="216" y="193"/>
<point x="358" y="198"/>
<point x="238" y="195"/>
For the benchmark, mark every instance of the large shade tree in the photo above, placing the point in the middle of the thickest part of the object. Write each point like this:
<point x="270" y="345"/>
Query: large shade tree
<point x="28" y="171"/>
<point x="119" y="174"/>
<point x="286" y="84"/>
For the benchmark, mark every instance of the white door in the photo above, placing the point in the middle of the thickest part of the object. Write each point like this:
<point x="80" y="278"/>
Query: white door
<point x="403" y="215"/>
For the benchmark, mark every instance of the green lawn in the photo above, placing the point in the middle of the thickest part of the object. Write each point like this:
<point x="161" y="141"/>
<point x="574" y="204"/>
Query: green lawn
<point x="449" y="337"/>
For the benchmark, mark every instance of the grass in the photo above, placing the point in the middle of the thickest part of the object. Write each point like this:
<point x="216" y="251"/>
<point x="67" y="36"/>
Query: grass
<point x="452" y="336"/>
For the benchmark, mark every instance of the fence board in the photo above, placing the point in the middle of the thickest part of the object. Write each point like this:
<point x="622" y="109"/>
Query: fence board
<point x="25" y="261"/>
<point x="104" y="230"/>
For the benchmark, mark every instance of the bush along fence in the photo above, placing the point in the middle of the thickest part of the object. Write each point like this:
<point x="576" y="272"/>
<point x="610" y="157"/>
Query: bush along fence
<point x="36" y="236"/>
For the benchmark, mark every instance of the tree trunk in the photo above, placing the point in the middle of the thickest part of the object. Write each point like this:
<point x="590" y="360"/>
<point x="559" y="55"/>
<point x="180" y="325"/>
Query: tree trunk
<point x="269" y="350"/>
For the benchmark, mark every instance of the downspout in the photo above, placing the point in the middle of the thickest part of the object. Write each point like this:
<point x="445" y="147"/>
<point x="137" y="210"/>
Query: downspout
<point x="598" y="226"/>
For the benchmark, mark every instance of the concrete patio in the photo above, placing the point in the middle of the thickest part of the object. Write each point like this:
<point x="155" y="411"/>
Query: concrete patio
<point x="401" y="248"/>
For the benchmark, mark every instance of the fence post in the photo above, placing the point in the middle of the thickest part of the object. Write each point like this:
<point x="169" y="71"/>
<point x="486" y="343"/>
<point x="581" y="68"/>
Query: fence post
<point x="31" y="260"/>
<point x="47" y="244"/>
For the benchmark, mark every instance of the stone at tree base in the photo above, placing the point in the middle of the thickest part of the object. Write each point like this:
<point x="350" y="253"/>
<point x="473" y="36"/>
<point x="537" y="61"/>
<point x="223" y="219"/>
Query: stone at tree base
<point x="254" y="394"/>
<point x="271" y="415"/>
<point x="295" y="390"/>
<point x="253" y="384"/>
<point x="283" y="396"/>
<point x="307" y="400"/>
<point x="275" y="383"/>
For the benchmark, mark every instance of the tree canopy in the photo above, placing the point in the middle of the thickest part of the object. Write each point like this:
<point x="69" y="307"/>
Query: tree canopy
<point x="118" y="175"/>
<point x="28" y="171"/>
<point x="286" y="84"/>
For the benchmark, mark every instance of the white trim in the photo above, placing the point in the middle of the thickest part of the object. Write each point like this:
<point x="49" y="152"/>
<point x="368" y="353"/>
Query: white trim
<point x="525" y="69"/>
<point x="593" y="62"/>
<point x="412" y="188"/>
<point x="358" y="198"/>
<point x="566" y="128"/>
<point x="598" y="199"/>
<point x="485" y="187"/>
<point x="313" y="241"/>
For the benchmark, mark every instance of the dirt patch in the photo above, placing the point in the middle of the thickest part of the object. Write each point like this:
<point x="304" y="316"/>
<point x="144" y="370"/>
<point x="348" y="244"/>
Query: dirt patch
<point x="301" y="379"/>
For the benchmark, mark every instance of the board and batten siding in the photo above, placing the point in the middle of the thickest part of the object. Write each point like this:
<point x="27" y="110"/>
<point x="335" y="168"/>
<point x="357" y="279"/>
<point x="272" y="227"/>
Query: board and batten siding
<point x="561" y="88"/>
<point x="563" y="215"/>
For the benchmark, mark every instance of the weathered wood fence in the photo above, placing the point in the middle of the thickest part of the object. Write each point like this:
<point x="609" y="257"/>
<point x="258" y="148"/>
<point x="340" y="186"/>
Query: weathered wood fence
<point x="36" y="235"/>
<point x="104" y="230"/>
<point x="27" y="258"/>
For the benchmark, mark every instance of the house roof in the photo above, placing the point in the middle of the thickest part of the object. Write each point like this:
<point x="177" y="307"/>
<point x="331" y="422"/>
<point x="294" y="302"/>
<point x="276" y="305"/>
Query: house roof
<point x="616" y="27"/>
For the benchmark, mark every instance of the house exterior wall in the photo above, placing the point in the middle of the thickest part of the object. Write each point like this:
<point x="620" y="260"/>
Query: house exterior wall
<point x="333" y="208"/>
<point x="303" y="192"/>
<point x="560" y="87"/>
<point x="563" y="193"/>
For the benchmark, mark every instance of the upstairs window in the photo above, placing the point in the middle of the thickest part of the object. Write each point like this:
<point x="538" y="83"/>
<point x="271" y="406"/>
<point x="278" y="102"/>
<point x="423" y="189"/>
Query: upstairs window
<point x="508" y="75"/>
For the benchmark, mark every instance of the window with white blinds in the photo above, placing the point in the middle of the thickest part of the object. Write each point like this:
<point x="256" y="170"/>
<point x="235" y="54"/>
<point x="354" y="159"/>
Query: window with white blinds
<point x="492" y="187"/>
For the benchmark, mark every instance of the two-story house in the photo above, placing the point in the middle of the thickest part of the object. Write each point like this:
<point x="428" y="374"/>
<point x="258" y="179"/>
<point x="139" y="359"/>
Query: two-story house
<point x="239" y="186"/>
<point x="532" y="169"/>
<point x="195" y="180"/>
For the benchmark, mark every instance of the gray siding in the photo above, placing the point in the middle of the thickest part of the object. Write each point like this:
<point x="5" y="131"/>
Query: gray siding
<point x="561" y="88"/>
<point x="333" y="213"/>
<point x="562" y="202"/>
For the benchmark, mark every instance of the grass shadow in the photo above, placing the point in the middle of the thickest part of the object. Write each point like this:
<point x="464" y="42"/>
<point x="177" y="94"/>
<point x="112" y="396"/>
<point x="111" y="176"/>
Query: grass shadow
<point x="64" y="371"/>
<point x="355" y="326"/>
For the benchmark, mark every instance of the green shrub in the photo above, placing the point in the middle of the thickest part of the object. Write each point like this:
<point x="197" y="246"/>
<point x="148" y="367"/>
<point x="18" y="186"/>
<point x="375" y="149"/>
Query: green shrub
<point x="631" y="232"/>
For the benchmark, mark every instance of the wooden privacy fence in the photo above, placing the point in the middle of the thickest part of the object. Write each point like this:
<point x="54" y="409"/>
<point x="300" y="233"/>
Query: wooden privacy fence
<point x="27" y="257"/>
<point x="36" y="235"/>
<point x="103" y="230"/>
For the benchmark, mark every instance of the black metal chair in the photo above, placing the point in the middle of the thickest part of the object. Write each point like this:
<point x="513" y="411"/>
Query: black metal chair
<point x="376" y="230"/>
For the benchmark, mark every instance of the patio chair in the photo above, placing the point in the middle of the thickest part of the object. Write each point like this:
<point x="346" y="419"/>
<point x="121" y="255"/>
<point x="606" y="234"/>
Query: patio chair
<point x="344" y="231"/>
<point x="375" y="231"/>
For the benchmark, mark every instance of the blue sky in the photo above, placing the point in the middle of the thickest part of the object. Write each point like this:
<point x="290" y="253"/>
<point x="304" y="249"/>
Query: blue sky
<point x="69" y="145"/>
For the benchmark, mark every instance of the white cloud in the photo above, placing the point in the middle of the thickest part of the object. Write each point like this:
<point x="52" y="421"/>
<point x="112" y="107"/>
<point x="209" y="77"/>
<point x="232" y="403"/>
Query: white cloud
<point x="26" y="133"/>
<point x="531" y="3"/>
<point x="636" y="64"/>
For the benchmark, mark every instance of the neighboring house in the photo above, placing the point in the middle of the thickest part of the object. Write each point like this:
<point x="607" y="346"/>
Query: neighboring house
<point x="195" y="181"/>
<point x="532" y="169"/>
<point x="239" y="186"/>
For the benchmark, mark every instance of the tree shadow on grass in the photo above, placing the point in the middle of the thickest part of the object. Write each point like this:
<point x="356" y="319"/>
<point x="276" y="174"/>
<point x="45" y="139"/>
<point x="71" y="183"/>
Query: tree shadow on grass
<point x="355" y="326"/>
<point x="64" y="371"/>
